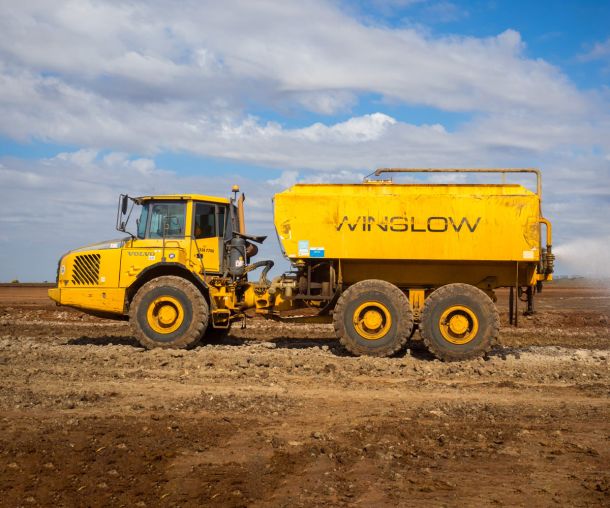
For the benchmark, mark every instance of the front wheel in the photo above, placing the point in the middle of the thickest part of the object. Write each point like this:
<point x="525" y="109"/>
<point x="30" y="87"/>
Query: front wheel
<point x="168" y="312"/>
<point x="373" y="317"/>
<point x="459" y="322"/>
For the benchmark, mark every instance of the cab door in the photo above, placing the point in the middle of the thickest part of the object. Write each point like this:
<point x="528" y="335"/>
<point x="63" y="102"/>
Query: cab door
<point x="207" y="236"/>
<point x="161" y="238"/>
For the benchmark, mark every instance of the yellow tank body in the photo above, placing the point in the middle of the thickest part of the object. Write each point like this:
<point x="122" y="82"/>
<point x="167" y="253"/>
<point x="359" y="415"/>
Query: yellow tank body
<point x="414" y="235"/>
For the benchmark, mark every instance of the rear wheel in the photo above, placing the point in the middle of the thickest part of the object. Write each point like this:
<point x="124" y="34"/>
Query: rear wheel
<point x="373" y="317"/>
<point x="168" y="312"/>
<point x="459" y="322"/>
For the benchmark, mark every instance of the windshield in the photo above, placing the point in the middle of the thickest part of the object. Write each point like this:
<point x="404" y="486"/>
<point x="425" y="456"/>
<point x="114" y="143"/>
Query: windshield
<point x="162" y="219"/>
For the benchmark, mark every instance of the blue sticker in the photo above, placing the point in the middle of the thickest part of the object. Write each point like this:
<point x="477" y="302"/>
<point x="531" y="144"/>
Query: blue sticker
<point x="303" y="247"/>
<point x="316" y="252"/>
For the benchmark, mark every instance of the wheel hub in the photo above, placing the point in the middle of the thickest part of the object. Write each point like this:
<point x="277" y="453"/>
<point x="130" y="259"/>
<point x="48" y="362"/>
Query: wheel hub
<point x="372" y="320"/>
<point x="459" y="324"/>
<point x="165" y="314"/>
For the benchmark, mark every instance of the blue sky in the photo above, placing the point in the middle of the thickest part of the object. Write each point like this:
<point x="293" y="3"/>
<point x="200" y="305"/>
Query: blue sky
<point x="99" y="98"/>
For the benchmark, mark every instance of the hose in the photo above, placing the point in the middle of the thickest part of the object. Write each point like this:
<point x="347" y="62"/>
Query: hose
<point x="262" y="280"/>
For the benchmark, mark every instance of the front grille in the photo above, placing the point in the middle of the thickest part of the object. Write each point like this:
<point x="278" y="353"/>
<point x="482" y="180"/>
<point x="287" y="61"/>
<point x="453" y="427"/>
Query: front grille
<point x="86" y="270"/>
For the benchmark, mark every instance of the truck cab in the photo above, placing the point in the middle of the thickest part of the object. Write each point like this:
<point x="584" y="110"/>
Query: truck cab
<point x="173" y="235"/>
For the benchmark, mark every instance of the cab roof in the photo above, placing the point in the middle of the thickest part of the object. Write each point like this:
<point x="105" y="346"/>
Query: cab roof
<point x="183" y="197"/>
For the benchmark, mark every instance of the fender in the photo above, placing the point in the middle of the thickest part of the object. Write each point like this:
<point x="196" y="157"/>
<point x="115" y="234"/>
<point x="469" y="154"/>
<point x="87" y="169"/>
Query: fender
<point x="173" y="267"/>
<point x="165" y="268"/>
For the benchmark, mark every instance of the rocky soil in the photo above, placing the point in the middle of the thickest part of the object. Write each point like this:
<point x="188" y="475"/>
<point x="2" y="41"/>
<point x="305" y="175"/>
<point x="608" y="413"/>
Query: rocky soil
<point x="280" y="415"/>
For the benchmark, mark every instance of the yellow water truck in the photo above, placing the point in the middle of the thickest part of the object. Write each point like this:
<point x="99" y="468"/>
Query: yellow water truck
<point x="377" y="259"/>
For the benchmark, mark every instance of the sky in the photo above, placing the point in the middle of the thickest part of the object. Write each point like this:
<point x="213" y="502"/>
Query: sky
<point x="101" y="98"/>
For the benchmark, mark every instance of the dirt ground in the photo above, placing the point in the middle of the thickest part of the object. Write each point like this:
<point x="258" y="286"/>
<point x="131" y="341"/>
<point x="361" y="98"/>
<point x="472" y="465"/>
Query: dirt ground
<point x="280" y="415"/>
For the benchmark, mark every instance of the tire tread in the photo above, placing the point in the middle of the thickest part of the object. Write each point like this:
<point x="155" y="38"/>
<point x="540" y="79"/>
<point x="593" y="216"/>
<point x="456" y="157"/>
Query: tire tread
<point x="397" y="297"/>
<point x="489" y="310"/>
<point x="197" y="328"/>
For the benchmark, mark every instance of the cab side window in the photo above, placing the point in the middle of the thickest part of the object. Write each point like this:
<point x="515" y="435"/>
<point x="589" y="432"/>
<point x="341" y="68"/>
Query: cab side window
<point x="205" y="221"/>
<point x="209" y="220"/>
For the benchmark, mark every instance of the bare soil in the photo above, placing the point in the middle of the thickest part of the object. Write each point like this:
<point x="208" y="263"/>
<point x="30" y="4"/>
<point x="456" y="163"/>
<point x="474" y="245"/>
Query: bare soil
<point x="280" y="415"/>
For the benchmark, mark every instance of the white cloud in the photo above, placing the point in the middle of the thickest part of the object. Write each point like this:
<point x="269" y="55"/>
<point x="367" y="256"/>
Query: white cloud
<point x="325" y="102"/>
<point x="286" y="179"/>
<point x="444" y="12"/>
<point x="599" y="51"/>
<point x="355" y="130"/>
<point x="145" y="77"/>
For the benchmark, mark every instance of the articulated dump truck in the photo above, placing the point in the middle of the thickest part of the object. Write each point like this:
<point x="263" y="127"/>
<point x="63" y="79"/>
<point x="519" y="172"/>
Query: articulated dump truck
<point x="376" y="259"/>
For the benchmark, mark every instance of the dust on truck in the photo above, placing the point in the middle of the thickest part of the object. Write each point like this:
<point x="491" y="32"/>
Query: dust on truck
<point x="377" y="259"/>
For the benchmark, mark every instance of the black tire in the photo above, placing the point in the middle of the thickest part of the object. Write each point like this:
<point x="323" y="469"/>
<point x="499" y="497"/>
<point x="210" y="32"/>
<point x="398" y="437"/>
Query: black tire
<point x="387" y="305"/>
<point x="154" y="305"/>
<point x="476" y="317"/>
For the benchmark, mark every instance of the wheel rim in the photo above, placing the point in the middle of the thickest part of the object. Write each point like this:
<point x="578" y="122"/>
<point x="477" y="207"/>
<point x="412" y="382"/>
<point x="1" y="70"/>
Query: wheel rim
<point x="372" y="320"/>
<point x="459" y="324"/>
<point x="165" y="315"/>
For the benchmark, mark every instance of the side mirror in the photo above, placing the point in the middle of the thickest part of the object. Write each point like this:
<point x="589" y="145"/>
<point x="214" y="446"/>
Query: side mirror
<point x="124" y="204"/>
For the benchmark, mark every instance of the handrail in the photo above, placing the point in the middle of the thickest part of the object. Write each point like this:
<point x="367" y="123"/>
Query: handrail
<point x="549" y="231"/>
<point x="537" y="172"/>
<point x="549" y="258"/>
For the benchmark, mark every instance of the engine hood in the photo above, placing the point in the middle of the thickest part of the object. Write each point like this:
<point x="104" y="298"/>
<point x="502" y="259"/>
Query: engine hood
<point x="107" y="244"/>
